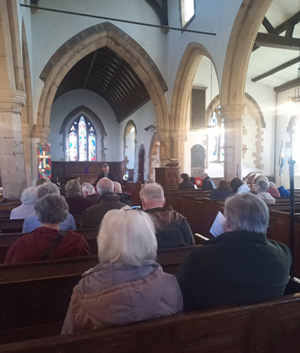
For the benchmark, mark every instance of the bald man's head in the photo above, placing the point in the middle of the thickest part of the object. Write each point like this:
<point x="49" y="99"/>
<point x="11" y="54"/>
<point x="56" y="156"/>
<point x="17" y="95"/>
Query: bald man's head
<point x="105" y="186"/>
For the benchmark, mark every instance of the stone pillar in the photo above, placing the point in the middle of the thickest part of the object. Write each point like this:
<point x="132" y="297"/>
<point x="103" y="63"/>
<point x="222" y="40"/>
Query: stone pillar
<point x="26" y="135"/>
<point x="232" y="115"/>
<point x="178" y="139"/>
<point x="11" y="144"/>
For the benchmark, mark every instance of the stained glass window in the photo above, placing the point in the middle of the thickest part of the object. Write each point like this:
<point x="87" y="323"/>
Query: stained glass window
<point x="82" y="140"/>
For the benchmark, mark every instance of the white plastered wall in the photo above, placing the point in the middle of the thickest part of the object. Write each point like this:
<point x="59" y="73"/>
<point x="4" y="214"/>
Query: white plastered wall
<point x="142" y="118"/>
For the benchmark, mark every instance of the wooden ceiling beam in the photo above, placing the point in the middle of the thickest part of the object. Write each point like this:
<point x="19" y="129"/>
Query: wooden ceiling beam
<point x="275" y="41"/>
<point x="90" y="69"/>
<point x="276" y="69"/>
<point x="287" y="85"/>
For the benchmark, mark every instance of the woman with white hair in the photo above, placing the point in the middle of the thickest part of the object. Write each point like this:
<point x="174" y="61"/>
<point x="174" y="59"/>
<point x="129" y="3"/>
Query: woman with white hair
<point x="128" y="285"/>
<point x="89" y="192"/>
<point x="47" y="242"/>
<point x="28" y="198"/>
<point x="261" y="187"/>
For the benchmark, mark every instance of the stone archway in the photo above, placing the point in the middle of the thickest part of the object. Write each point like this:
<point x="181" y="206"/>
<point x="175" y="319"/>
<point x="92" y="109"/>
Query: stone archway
<point x="181" y="96"/>
<point x="129" y="140"/>
<point x="82" y="44"/>
<point x="241" y="41"/>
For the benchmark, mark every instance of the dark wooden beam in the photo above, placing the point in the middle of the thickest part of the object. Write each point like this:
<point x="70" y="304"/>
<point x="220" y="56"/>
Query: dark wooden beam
<point x="90" y="69"/>
<point x="292" y="20"/>
<point x="287" y="85"/>
<point x="290" y="30"/>
<point x="160" y="10"/>
<point x="268" y="26"/>
<point x="276" y="69"/>
<point x="275" y="41"/>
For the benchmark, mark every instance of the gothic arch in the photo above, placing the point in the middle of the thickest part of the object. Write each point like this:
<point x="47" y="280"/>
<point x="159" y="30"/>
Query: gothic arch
<point x="154" y="144"/>
<point x="181" y="95"/>
<point x="183" y="84"/>
<point x="240" y="44"/>
<point x="96" y="121"/>
<point x="130" y="124"/>
<point x="82" y="44"/>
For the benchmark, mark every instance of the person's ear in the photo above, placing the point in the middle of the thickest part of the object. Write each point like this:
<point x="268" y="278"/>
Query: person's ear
<point x="227" y="225"/>
<point x="165" y="201"/>
<point x="143" y="204"/>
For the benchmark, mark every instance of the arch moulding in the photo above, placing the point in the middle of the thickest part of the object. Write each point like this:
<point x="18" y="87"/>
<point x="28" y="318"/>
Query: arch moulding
<point x="93" y="38"/>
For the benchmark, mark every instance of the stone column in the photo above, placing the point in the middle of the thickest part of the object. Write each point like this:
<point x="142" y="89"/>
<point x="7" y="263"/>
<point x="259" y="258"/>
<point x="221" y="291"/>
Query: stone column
<point x="11" y="145"/>
<point x="178" y="139"/>
<point x="26" y="135"/>
<point x="232" y="115"/>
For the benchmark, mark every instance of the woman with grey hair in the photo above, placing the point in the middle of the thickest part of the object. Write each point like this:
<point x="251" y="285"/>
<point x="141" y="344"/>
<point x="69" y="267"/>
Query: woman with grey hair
<point x="31" y="222"/>
<point x="47" y="242"/>
<point x="28" y="198"/>
<point x="77" y="203"/>
<point x="261" y="187"/>
<point x="128" y="285"/>
<point x="240" y="266"/>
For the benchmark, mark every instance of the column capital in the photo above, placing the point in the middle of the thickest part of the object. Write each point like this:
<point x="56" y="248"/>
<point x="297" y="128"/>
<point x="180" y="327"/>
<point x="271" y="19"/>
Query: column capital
<point x="12" y="100"/>
<point x="178" y="134"/>
<point x="41" y="132"/>
<point x="232" y="112"/>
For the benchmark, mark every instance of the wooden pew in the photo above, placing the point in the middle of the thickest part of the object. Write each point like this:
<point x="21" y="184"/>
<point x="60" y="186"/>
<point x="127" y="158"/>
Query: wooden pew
<point x="269" y="327"/>
<point x="11" y="225"/>
<point x="39" y="293"/>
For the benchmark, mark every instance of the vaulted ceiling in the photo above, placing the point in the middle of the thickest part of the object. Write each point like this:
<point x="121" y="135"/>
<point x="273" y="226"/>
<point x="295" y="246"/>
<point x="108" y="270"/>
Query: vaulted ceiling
<point x="107" y="74"/>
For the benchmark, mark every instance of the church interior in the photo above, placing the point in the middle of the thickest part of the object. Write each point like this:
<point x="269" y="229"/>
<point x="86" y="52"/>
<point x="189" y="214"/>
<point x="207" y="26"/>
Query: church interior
<point x="147" y="90"/>
<point x="219" y="93"/>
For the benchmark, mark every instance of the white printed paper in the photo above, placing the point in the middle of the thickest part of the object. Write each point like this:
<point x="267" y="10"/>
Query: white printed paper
<point x="218" y="227"/>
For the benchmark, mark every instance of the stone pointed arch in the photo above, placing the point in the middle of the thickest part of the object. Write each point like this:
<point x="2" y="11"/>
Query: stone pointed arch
<point x="181" y="95"/>
<point x="240" y="44"/>
<point x="93" y="38"/>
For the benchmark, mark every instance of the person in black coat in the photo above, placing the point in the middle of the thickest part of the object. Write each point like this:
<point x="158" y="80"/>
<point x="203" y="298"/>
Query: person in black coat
<point x="240" y="266"/>
<point x="105" y="174"/>
<point x="186" y="184"/>
<point x="207" y="183"/>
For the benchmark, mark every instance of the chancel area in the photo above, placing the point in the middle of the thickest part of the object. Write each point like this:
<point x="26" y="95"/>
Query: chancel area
<point x="128" y="129"/>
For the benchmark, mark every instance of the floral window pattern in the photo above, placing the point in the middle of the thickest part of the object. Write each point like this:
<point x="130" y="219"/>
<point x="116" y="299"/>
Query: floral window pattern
<point x="82" y="140"/>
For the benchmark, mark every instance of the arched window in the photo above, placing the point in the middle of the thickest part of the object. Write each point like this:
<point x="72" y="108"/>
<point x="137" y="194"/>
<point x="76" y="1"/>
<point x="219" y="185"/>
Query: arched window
<point x="82" y="140"/>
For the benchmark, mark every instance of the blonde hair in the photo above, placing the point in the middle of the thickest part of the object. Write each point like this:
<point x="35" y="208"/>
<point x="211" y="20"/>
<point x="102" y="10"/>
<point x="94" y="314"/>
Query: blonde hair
<point x="126" y="236"/>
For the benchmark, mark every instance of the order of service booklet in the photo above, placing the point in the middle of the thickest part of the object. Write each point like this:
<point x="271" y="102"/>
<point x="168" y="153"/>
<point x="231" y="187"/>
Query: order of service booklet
<point x="217" y="227"/>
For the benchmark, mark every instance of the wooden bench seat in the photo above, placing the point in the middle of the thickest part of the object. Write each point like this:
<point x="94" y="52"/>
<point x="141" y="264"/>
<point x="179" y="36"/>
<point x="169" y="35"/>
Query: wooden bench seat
<point x="269" y="327"/>
<point x="39" y="292"/>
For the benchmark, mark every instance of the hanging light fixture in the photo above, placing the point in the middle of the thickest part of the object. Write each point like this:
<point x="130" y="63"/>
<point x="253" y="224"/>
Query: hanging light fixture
<point x="296" y="97"/>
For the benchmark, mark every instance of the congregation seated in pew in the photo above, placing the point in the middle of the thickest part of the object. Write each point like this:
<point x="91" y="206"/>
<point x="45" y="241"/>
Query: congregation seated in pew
<point x="222" y="192"/>
<point x="240" y="266"/>
<point x="261" y="188"/>
<point x="28" y="199"/>
<point x="92" y="217"/>
<point x="32" y="222"/>
<point x="172" y="228"/>
<point x="77" y="203"/>
<point x="128" y="285"/>
<point x="47" y="241"/>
